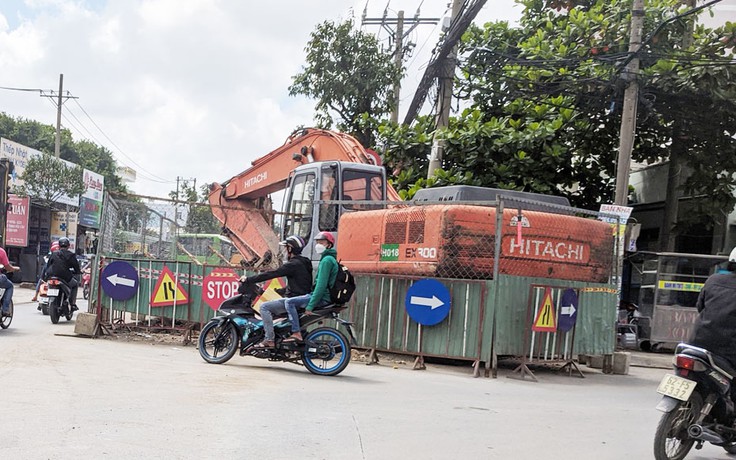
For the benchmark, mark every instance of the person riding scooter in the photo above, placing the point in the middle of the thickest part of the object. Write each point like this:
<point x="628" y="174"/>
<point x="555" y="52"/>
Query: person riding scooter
<point x="63" y="264"/>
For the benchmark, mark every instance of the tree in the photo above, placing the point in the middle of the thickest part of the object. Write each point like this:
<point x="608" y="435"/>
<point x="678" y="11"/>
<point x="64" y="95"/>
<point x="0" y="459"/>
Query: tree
<point x="199" y="216"/>
<point x="544" y="102"/>
<point x="46" y="179"/>
<point x="349" y="75"/>
<point x="84" y="153"/>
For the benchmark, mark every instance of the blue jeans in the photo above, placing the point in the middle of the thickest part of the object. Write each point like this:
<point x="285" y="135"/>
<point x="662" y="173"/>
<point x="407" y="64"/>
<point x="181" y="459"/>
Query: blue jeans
<point x="301" y="301"/>
<point x="275" y="307"/>
<point x="6" y="284"/>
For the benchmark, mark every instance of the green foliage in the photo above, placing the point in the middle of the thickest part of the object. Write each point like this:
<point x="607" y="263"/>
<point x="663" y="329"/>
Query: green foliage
<point x="199" y="216"/>
<point x="349" y="75"/>
<point x="46" y="179"/>
<point x="84" y="153"/>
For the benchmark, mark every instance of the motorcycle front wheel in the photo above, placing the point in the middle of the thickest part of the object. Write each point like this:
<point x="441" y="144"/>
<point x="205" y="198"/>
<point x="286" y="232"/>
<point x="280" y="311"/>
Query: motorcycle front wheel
<point x="671" y="441"/>
<point x="5" y="320"/>
<point x="54" y="308"/>
<point x="326" y="351"/>
<point x="217" y="343"/>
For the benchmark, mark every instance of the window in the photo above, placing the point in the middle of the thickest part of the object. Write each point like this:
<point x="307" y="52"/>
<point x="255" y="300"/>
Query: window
<point x="299" y="208"/>
<point x="362" y="185"/>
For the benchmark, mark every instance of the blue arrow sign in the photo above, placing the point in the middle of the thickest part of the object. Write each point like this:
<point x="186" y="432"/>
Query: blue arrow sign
<point x="427" y="302"/>
<point x="119" y="280"/>
<point x="568" y="310"/>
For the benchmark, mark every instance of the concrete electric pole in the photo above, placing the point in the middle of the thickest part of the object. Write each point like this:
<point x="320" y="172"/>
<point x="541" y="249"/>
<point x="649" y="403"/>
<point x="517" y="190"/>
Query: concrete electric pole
<point x="59" y="101"/>
<point x="631" y="96"/>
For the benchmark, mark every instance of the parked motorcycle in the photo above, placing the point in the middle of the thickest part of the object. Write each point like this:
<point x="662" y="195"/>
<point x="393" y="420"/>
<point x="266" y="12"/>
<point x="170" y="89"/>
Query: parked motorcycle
<point x="325" y="350"/>
<point x="58" y="295"/>
<point x="697" y="404"/>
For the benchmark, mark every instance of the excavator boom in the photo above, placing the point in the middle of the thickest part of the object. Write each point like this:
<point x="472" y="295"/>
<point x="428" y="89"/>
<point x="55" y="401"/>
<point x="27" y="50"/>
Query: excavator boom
<point x="241" y="203"/>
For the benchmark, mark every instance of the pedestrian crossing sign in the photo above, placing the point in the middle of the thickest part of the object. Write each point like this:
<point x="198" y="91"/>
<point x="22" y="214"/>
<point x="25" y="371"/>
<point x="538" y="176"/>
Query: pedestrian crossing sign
<point x="168" y="291"/>
<point x="546" y="320"/>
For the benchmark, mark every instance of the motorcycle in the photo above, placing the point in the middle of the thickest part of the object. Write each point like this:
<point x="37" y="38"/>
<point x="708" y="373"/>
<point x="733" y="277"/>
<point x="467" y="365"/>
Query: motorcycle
<point x="43" y="298"/>
<point x="5" y="318"/>
<point x="697" y="404"/>
<point x="325" y="350"/>
<point x="58" y="294"/>
<point x="85" y="283"/>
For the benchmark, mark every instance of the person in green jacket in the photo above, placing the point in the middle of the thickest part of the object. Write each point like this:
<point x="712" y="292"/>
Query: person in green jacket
<point x="326" y="275"/>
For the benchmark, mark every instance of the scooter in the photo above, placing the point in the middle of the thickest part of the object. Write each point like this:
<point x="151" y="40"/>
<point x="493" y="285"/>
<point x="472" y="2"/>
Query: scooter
<point x="697" y="404"/>
<point x="86" y="275"/>
<point x="5" y="318"/>
<point x="43" y="298"/>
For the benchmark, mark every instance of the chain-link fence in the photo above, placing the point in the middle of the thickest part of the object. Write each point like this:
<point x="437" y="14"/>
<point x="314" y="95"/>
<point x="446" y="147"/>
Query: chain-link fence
<point x="460" y="240"/>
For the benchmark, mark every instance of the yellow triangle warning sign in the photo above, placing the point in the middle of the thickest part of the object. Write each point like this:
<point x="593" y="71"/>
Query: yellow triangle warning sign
<point x="545" y="320"/>
<point x="269" y="293"/>
<point x="168" y="291"/>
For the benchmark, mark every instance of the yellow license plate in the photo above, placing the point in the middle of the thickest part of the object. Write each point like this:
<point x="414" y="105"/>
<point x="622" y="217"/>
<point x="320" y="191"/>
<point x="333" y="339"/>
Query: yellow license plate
<point x="676" y="387"/>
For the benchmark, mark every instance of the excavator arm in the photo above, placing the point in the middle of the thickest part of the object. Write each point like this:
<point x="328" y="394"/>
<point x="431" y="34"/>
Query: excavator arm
<point x="241" y="204"/>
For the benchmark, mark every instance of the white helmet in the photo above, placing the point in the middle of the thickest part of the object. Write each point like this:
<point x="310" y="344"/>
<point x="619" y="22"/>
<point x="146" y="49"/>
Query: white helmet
<point x="732" y="256"/>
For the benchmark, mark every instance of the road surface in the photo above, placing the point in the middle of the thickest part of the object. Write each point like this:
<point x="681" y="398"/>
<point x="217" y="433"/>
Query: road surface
<point x="77" y="398"/>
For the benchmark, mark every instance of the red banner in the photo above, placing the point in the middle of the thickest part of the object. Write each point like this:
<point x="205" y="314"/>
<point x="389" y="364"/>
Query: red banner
<point x="16" y="229"/>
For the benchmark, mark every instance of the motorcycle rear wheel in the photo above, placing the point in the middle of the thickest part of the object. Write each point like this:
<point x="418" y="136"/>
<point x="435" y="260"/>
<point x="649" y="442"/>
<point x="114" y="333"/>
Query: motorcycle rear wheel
<point x="54" y="308"/>
<point x="326" y="351"/>
<point x="217" y="344"/>
<point x="85" y="292"/>
<point x="671" y="441"/>
<point x="5" y="320"/>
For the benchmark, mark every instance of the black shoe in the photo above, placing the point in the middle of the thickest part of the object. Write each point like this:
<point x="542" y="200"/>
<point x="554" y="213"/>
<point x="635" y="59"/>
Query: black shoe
<point x="74" y="308"/>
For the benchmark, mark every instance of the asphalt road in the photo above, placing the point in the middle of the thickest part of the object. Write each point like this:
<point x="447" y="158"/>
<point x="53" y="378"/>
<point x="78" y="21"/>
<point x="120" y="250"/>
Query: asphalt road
<point x="77" y="398"/>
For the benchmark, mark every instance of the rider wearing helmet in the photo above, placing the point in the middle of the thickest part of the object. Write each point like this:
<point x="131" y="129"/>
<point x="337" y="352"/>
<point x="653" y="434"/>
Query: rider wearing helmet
<point x="63" y="264"/>
<point x="715" y="329"/>
<point x="326" y="276"/>
<point x="298" y="273"/>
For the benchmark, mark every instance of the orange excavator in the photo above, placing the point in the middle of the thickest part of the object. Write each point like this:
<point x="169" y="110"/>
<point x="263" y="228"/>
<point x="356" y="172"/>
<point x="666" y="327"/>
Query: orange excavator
<point x="312" y="166"/>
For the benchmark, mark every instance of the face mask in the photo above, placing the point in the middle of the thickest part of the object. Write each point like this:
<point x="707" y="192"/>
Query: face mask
<point x="319" y="248"/>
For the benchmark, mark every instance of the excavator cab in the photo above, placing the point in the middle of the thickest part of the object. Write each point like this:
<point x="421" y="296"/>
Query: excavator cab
<point x="319" y="193"/>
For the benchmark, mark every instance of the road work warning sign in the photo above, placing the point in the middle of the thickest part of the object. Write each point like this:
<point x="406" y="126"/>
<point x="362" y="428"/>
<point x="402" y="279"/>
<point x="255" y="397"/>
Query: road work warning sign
<point x="545" y="320"/>
<point x="168" y="291"/>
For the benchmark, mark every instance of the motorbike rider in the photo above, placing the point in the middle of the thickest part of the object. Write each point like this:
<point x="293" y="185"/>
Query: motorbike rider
<point x="54" y="247"/>
<point x="63" y="264"/>
<point x="298" y="273"/>
<point x="5" y="283"/>
<point x="326" y="276"/>
<point x="715" y="328"/>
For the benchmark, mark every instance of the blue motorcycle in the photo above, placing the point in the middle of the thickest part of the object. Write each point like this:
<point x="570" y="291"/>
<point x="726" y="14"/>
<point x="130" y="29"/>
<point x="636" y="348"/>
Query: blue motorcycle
<point x="325" y="350"/>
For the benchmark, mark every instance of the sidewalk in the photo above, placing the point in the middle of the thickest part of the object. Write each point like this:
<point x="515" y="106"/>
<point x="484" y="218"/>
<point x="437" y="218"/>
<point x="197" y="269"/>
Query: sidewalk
<point x="661" y="360"/>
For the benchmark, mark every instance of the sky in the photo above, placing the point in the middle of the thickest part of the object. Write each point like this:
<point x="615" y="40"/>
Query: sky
<point x="187" y="88"/>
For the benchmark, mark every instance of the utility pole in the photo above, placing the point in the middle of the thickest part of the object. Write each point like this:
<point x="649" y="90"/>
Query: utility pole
<point x="59" y="102"/>
<point x="444" y="99"/>
<point x="631" y="96"/>
<point x="399" y="35"/>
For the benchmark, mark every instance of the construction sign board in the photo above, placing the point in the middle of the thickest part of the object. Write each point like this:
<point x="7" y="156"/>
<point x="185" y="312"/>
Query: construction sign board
<point x="168" y="291"/>
<point x="269" y="293"/>
<point x="545" y="320"/>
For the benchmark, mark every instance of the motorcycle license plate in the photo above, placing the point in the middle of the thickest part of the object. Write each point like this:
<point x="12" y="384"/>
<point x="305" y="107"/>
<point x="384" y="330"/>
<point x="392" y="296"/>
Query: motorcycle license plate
<point x="676" y="387"/>
<point x="52" y="292"/>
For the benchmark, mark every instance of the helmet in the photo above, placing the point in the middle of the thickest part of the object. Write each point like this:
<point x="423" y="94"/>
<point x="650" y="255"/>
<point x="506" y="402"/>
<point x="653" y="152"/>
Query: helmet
<point x="63" y="242"/>
<point x="732" y="256"/>
<point x="54" y="246"/>
<point x="296" y="243"/>
<point x="325" y="236"/>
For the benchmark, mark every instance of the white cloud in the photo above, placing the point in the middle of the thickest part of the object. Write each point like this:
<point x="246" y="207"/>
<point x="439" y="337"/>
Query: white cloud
<point x="195" y="88"/>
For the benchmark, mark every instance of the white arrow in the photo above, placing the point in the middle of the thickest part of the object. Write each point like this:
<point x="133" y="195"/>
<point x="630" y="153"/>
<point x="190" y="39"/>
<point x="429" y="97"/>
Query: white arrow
<point x="115" y="280"/>
<point x="433" y="303"/>
<point x="569" y="310"/>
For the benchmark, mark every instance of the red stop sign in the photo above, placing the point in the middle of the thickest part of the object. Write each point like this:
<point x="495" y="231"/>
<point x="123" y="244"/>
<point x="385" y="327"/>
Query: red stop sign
<point x="219" y="285"/>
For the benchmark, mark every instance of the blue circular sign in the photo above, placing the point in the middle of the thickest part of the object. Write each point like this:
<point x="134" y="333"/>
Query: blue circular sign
<point x="568" y="310"/>
<point x="119" y="280"/>
<point x="427" y="302"/>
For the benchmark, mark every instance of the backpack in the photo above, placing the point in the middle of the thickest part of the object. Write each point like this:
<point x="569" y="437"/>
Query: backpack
<point x="344" y="286"/>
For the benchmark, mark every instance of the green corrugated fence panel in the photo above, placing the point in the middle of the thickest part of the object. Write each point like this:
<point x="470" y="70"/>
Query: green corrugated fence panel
<point x="381" y="322"/>
<point x="594" y="328"/>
